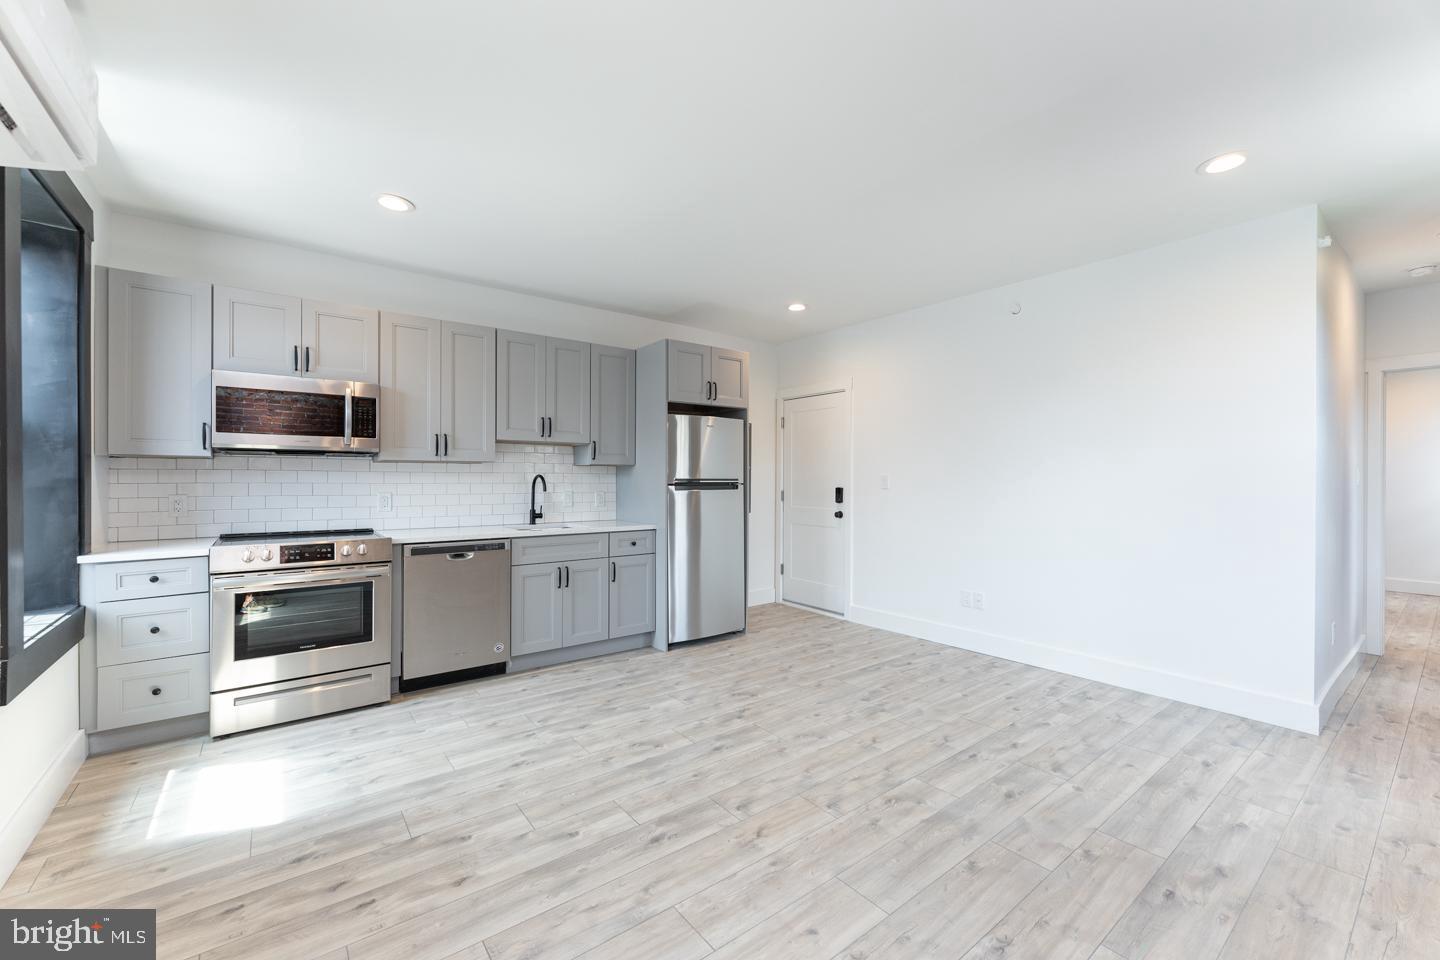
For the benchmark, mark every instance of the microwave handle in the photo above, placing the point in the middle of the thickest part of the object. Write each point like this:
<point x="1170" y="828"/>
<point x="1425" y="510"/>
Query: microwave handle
<point x="349" y="406"/>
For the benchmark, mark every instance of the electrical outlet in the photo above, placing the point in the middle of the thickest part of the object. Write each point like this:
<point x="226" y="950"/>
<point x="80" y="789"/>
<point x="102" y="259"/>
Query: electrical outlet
<point x="599" y="498"/>
<point x="977" y="600"/>
<point x="177" y="504"/>
<point x="564" y="499"/>
<point x="387" y="503"/>
<point x="965" y="599"/>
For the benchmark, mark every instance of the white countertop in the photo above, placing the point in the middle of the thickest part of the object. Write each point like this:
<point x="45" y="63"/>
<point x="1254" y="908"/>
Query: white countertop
<point x="170" y="549"/>
<point x="148" y="550"/>
<point x="449" y="534"/>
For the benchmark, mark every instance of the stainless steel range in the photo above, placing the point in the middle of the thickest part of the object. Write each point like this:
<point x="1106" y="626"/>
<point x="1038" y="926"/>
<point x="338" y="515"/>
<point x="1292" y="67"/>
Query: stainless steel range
<point x="300" y="626"/>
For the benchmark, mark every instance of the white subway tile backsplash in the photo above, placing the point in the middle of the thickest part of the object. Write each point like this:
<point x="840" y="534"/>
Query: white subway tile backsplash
<point x="252" y="494"/>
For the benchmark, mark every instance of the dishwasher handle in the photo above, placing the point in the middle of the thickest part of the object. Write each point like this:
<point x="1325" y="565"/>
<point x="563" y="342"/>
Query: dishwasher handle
<point x="458" y="551"/>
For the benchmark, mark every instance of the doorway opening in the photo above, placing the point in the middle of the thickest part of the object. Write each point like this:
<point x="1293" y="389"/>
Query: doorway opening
<point x="816" y="499"/>
<point x="1402" y="516"/>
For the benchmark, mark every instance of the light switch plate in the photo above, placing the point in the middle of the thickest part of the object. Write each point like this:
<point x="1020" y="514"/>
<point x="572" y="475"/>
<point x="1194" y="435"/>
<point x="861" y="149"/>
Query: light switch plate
<point x="387" y="503"/>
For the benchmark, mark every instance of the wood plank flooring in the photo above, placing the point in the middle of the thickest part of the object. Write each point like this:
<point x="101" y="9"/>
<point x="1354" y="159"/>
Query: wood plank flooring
<point x="815" y="790"/>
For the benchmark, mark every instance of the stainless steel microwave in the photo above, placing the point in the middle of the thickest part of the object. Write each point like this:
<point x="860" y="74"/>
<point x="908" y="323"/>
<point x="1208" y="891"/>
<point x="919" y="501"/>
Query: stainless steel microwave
<point x="258" y="411"/>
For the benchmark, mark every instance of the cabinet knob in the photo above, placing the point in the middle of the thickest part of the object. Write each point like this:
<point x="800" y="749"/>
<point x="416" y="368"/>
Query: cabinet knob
<point x="154" y="578"/>
<point x="154" y="629"/>
<point x="154" y="691"/>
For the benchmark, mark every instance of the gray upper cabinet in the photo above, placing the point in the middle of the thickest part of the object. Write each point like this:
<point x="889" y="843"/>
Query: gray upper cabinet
<point x="467" y="396"/>
<point x="632" y="595"/>
<point x="729" y="378"/>
<point x="536" y="618"/>
<point x="567" y="390"/>
<point x="519" y="386"/>
<point x="339" y="342"/>
<point x="542" y="389"/>
<point x="585" y="615"/>
<point x="410" y="387"/>
<point x="612" y="408"/>
<point x="270" y="333"/>
<point x="438" y="390"/>
<point x="707" y="376"/>
<point x="256" y="332"/>
<point x="689" y="372"/>
<point x="159" y="365"/>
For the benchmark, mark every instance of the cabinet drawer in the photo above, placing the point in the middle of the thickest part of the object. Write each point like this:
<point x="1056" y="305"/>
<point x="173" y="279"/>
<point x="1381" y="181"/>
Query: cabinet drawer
<point x="628" y="544"/>
<point x="152" y="628"/>
<point x="132" y="693"/>
<point x="152" y="578"/>
<point x="556" y="549"/>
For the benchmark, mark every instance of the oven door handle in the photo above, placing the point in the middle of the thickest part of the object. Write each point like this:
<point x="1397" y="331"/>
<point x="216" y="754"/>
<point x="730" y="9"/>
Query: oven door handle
<point x="237" y="586"/>
<point x="349" y="407"/>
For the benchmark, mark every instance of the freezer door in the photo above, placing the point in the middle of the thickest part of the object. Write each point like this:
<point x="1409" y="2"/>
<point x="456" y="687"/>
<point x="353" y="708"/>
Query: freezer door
<point x="706" y="448"/>
<point x="707" y="560"/>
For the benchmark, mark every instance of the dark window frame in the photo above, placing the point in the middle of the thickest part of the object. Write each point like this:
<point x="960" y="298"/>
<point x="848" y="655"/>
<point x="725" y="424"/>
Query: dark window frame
<point x="20" y="665"/>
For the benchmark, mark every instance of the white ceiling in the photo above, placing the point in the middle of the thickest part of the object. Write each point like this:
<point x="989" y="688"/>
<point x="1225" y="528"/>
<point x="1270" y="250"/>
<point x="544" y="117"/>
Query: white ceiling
<point x="708" y="162"/>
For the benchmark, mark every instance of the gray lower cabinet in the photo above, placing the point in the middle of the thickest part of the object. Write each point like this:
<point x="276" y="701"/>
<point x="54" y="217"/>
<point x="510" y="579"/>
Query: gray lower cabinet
<point x="581" y="598"/>
<point x="586" y="603"/>
<point x="632" y="594"/>
<point x="612" y="408"/>
<point x="535" y="608"/>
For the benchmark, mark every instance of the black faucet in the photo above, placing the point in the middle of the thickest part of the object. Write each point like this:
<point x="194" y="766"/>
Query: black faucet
<point x="536" y="514"/>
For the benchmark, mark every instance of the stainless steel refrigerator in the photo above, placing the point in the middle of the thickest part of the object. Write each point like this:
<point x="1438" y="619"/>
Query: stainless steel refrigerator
<point x="706" y="513"/>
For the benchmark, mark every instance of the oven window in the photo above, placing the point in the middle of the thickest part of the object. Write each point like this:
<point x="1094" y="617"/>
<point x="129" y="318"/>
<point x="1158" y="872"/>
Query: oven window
<point x="273" y="622"/>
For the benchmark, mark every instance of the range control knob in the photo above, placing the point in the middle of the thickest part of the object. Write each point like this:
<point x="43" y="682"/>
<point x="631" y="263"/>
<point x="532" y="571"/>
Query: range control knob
<point x="267" y="554"/>
<point x="345" y="550"/>
<point x="362" y="549"/>
<point x="247" y="555"/>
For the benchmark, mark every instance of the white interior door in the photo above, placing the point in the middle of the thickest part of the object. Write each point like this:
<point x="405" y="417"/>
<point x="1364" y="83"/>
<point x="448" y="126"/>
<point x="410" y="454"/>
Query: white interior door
<point x="815" y="440"/>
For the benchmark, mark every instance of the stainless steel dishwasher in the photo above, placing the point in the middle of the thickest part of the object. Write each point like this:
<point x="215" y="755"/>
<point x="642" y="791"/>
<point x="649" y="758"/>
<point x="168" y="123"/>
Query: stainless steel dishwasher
<point x="456" y="614"/>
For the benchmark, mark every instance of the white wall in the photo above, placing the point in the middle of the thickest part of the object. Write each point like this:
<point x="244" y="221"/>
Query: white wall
<point x="1126" y="469"/>
<point x="41" y="747"/>
<point x="1412" y="481"/>
<point x="1403" y="321"/>
<point x="1340" y="458"/>
<point x="152" y="246"/>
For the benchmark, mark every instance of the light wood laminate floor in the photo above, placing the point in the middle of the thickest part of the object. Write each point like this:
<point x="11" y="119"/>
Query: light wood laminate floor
<point x="813" y="790"/>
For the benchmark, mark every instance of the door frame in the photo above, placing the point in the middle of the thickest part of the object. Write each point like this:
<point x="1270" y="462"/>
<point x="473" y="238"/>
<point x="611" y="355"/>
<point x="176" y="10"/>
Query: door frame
<point x="845" y="387"/>
<point x="1376" y="372"/>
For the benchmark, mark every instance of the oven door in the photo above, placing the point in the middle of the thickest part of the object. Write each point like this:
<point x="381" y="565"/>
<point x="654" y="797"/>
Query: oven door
<point x="267" y="627"/>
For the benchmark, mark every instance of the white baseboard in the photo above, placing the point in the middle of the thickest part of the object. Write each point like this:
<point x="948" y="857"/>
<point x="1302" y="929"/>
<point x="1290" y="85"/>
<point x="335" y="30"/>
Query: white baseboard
<point x="1339" y="680"/>
<point x="1430" y="588"/>
<point x="762" y="595"/>
<point x="16" y="836"/>
<point x="1265" y="707"/>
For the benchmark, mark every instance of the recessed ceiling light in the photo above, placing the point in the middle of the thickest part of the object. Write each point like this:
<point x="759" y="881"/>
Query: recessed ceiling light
<point x="796" y="307"/>
<point x="395" y="202"/>
<point x="1424" y="270"/>
<point x="1222" y="164"/>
